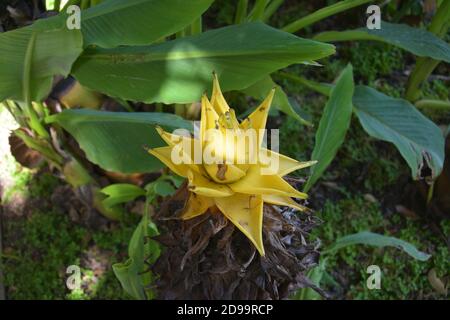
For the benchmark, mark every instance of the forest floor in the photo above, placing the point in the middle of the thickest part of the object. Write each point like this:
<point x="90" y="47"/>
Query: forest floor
<point x="367" y="187"/>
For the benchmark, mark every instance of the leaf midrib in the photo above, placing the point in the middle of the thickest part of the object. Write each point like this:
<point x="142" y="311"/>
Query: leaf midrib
<point x="84" y="119"/>
<point x="176" y="55"/>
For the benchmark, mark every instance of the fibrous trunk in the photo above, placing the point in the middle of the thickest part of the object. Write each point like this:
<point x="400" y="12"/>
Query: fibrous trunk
<point x="209" y="258"/>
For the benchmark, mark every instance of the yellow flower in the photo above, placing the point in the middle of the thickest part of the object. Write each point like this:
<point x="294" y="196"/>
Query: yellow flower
<point x="238" y="181"/>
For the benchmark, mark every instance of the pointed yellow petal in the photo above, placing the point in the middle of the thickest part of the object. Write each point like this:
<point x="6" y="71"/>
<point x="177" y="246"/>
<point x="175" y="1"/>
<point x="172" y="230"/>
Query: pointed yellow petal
<point x="217" y="100"/>
<point x="186" y="146"/>
<point x="164" y="154"/>
<point x="203" y="186"/>
<point x="283" y="201"/>
<point x="209" y="114"/>
<point x="227" y="116"/>
<point x="282" y="165"/>
<point x="196" y="205"/>
<point x="258" y="118"/>
<point x="255" y="183"/>
<point x="209" y="119"/>
<point x="246" y="213"/>
<point x="170" y="138"/>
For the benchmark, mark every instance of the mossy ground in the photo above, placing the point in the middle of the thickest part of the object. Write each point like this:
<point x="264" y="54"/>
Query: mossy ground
<point x="40" y="245"/>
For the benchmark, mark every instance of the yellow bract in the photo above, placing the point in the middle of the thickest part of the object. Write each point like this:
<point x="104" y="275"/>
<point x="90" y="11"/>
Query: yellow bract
<point x="234" y="183"/>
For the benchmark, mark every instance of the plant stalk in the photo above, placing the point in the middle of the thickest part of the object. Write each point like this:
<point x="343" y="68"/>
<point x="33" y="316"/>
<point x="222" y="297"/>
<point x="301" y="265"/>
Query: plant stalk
<point x="322" y="14"/>
<point x="85" y="4"/>
<point x="95" y="2"/>
<point x="34" y="121"/>
<point x="350" y="35"/>
<point x="241" y="11"/>
<point x="15" y="111"/>
<point x="430" y="193"/>
<point x="271" y="9"/>
<point x="70" y="3"/>
<point x="46" y="151"/>
<point x="433" y="104"/>
<point x="425" y="66"/>
<point x="196" y="26"/>
<point x="57" y="5"/>
<point x="257" y="12"/>
<point x="180" y="34"/>
<point x="180" y="110"/>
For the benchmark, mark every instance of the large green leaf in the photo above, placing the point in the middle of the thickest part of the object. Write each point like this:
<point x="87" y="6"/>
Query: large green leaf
<point x="418" y="41"/>
<point x="180" y="71"/>
<point x="260" y="89"/>
<point x="333" y="125"/>
<point x="37" y="52"/>
<point x="116" y="141"/>
<point x="417" y="138"/>
<point x="137" y="22"/>
<point x="378" y="240"/>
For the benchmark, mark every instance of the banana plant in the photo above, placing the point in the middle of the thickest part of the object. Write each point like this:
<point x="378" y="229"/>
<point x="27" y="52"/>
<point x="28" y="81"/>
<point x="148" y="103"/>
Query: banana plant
<point x="170" y="61"/>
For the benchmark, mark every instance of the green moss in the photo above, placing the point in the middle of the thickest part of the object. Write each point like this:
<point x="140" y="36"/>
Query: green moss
<point x="40" y="248"/>
<point x="373" y="60"/>
<point x="42" y="185"/>
<point x="44" y="246"/>
<point x="301" y="139"/>
<point x="402" y="276"/>
<point x="289" y="12"/>
<point x="436" y="89"/>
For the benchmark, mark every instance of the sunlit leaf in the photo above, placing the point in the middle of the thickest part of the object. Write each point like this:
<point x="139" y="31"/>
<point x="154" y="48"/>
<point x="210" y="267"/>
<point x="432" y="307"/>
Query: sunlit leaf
<point x="51" y="48"/>
<point x="179" y="71"/>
